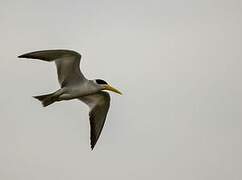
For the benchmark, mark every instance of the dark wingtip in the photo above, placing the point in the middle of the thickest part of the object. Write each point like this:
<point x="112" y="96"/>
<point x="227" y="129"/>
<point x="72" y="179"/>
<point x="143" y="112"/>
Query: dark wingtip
<point x="36" y="97"/>
<point x="21" y="56"/>
<point x="92" y="147"/>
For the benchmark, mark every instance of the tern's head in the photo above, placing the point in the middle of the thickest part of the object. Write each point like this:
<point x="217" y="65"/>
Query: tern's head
<point x="105" y="86"/>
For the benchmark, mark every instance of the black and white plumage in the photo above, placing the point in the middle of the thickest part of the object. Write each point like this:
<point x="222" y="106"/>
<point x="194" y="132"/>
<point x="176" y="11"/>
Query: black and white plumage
<point x="74" y="85"/>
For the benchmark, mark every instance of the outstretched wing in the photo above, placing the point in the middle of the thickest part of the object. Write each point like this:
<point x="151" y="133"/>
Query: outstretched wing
<point x="99" y="104"/>
<point x="67" y="63"/>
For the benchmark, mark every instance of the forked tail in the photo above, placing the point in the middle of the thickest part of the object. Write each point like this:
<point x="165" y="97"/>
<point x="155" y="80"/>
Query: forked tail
<point x="46" y="99"/>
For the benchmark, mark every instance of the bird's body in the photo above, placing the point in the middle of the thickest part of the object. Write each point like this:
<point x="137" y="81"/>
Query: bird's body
<point x="74" y="85"/>
<point x="80" y="89"/>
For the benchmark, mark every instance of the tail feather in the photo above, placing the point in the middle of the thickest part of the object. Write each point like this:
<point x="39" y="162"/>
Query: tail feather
<point x="46" y="99"/>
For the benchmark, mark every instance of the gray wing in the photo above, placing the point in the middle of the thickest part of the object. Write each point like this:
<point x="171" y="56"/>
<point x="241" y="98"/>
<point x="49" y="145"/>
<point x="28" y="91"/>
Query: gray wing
<point x="99" y="104"/>
<point x="67" y="63"/>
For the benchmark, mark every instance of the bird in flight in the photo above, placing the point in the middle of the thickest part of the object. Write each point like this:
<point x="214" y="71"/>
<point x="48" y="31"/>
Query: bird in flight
<point x="74" y="85"/>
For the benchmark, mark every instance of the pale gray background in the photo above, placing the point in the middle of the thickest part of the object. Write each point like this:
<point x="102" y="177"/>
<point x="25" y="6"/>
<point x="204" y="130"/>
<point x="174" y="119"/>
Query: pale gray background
<point x="178" y="63"/>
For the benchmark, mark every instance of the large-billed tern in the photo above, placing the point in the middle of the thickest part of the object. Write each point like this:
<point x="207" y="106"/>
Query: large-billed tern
<point x="74" y="85"/>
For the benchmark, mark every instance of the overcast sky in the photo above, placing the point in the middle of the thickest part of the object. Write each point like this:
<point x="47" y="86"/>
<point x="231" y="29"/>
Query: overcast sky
<point x="178" y="64"/>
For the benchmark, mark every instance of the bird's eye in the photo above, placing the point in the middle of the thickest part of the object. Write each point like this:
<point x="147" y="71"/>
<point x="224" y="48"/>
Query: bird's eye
<point x="100" y="81"/>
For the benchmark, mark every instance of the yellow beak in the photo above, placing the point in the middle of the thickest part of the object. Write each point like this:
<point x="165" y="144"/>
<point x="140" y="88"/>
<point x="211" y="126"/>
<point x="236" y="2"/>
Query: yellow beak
<point x="110" y="88"/>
